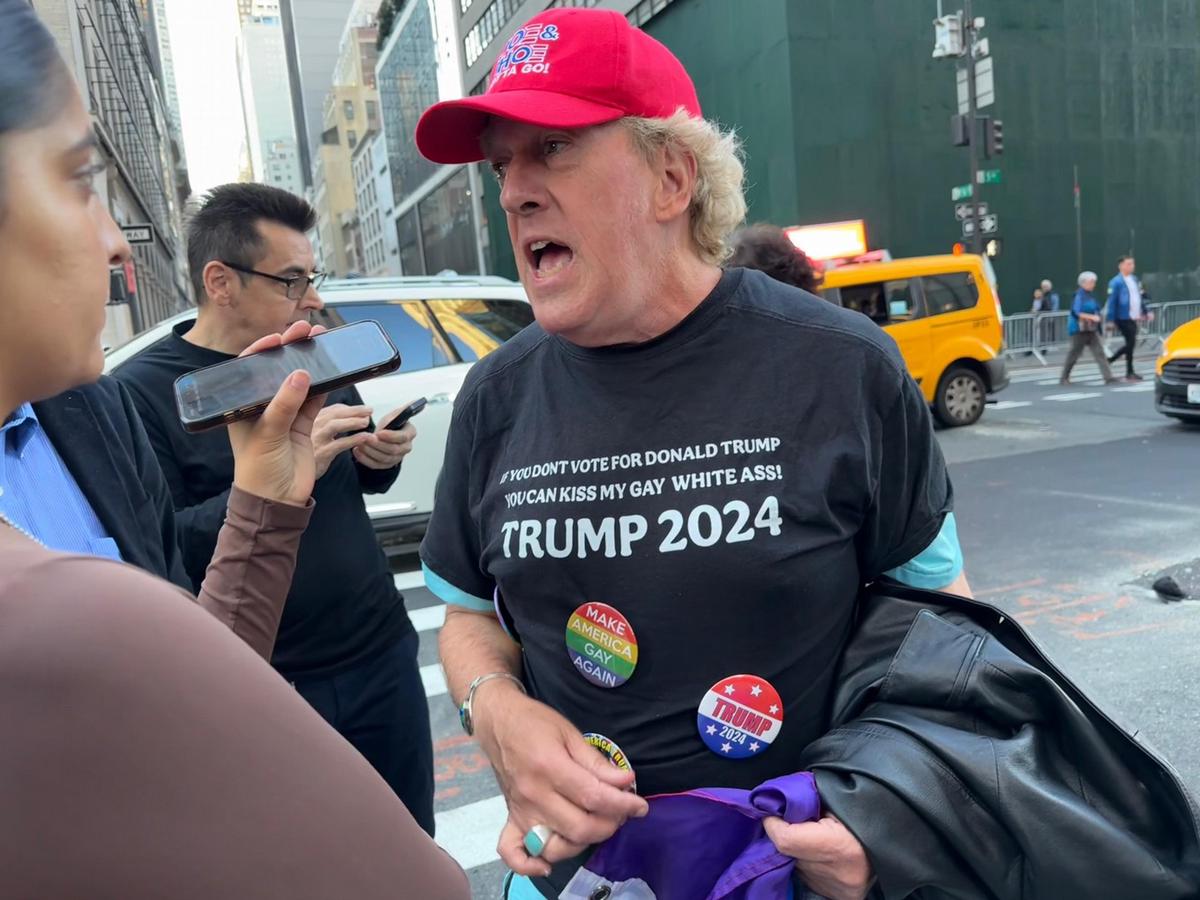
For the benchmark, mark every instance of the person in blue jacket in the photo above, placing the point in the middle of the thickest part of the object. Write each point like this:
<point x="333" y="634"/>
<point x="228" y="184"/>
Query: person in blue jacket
<point x="1084" y="329"/>
<point x="1125" y="310"/>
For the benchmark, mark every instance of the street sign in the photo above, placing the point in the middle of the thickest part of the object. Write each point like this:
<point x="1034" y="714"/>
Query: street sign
<point x="985" y="86"/>
<point x="987" y="176"/>
<point x="963" y="210"/>
<point x="138" y="234"/>
<point x="987" y="225"/>
<point x="962" y="192"/>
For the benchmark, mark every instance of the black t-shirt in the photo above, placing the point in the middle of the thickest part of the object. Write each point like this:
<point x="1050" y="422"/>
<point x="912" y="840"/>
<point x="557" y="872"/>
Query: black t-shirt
<point x="343" y="605"/>
<point x="726" y="487"/>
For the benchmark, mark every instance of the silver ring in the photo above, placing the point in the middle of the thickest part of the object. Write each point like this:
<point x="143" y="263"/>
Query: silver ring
<point x="536" y="839"/>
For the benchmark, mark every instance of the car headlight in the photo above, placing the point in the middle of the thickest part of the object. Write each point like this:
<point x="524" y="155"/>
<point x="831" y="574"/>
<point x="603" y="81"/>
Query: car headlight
<point x="1163" y="351"/>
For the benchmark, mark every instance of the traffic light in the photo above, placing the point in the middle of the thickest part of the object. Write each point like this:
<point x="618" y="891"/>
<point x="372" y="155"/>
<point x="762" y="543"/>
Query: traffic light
<point x="993" y="247"/>
<point x="993" y="137"/>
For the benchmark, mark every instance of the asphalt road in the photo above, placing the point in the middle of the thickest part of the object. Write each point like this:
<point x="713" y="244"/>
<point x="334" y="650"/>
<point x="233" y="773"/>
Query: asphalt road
<point x="1070" y="502"/>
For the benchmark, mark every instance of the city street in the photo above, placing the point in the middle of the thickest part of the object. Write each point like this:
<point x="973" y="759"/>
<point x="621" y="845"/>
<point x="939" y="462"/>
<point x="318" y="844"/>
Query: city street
<point x="1070" y="502"/>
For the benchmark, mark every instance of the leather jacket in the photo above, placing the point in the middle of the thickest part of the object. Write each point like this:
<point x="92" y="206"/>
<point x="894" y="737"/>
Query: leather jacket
<point x="969" y="766"/>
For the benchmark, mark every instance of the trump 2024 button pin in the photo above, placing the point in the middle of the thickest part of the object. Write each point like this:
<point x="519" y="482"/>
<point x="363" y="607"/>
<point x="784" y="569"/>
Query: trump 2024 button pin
<point x="740" y="716"/>
<point x="602" y="644"/>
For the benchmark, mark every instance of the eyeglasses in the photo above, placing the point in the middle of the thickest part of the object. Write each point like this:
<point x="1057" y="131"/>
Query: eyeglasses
<point x="297" y="285"/>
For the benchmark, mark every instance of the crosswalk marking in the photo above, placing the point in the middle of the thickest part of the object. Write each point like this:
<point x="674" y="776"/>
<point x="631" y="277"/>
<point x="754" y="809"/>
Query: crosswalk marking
<point x="434" y="680"/>
<point x="1065" y="398"/>
<point x="469" y="833"/>
<point x="428" y="618"/>
<point x="407" y="581"/>
<point x="1009" y="404"/>
<point x="1142" y="388"/>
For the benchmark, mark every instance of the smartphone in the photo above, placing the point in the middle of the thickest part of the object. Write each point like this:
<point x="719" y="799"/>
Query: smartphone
<point x="241" y="388"/>
<point x="409" y="411"/>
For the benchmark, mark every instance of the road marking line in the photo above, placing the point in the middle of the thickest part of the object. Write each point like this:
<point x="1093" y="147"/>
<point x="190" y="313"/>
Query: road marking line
<point x="1048" y="383"/>
<point x="1009" y="404"/>
<point x="1136" y="388"/>
<point x="469" y="833"/>
<point x="434" y="680"/>
<point x="407" y="581"/>
<point x="1065" y="398"/>
<point x="428" y="618"/>
<point x="1181" y="508"/>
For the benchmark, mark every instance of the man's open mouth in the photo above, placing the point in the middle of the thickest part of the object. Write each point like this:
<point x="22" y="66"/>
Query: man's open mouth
<point x="549" y="257"/>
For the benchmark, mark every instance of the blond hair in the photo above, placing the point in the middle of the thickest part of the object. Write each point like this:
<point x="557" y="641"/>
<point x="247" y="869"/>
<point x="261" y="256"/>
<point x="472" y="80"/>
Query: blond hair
<point x="718" y="202"/>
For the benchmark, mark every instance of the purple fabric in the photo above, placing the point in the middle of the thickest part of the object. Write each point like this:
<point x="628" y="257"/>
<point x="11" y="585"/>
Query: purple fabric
<point x="710" y="843"/>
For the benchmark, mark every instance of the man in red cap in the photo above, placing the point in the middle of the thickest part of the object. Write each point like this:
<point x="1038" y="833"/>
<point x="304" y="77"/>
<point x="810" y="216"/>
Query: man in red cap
<point x="671" y="487"/>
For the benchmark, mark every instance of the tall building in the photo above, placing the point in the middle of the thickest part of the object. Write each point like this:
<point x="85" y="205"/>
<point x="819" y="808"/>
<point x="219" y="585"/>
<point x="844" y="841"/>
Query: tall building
<point x="350" y="113"/>
<point x="373" y="188"/>
<point x="312" y="31"/>
<point x="114" y="49"/>
<point x="266" y="100"/>
<point x="437" y="218"/>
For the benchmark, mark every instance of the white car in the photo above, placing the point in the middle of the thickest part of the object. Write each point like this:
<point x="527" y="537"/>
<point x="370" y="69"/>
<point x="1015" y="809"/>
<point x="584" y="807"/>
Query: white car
<point x="441" y="326"/>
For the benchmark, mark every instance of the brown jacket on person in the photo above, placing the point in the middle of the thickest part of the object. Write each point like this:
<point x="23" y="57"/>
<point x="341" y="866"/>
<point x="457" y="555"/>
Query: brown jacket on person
<point x="145" y="752"/>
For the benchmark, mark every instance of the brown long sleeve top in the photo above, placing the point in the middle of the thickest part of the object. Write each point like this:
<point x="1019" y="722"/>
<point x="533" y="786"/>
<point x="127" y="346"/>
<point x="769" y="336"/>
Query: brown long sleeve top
<point x="145" y="752"/>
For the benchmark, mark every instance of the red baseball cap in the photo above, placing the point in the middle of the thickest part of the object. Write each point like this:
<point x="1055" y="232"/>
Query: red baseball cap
<point x="564" y="68"/>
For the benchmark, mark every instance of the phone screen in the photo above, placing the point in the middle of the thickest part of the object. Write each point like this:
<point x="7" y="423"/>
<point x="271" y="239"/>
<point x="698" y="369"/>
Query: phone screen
<point x="250" y="381"/>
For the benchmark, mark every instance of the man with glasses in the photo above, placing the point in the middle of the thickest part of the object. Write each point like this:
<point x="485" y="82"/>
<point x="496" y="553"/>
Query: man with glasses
<point x="345" y="640"/>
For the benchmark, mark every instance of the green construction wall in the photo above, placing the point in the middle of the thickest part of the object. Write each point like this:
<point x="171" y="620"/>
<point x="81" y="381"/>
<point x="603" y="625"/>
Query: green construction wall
<point x="844" y="115"/>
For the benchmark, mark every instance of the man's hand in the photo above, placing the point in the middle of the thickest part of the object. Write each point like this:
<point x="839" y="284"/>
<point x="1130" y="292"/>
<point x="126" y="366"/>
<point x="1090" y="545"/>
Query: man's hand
<point x="830" y="860"/>
<point x="273" y="454"/>
<point x="385" y="448"/>
<point x="337" y="419"/>
<point x="550" y="776"/>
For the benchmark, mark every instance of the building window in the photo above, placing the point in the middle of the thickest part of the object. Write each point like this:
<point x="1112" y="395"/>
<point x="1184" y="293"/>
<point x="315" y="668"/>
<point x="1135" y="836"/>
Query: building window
<point x="351" y="139"/>
<point x="372" y="109"/>
<point x="411" y="260"/>
<point x="348" y="110"/>
<point x="447" y="235"/>
<point x="647" y="10"/>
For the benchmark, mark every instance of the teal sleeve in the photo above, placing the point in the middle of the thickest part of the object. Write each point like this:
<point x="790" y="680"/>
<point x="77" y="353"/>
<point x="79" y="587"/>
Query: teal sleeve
<point x="448" y="593"/>
<point x="938" y="564"/>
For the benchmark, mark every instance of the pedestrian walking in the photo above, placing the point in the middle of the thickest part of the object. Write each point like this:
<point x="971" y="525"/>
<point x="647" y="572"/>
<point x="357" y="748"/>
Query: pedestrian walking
<point x="1084" y="329"/>
<point x="147" y="751"/>
<point x="769" y="249"/>
<point x="1126" y="308"/>
<point x="345" y="641"/>
<point x="1050" y="299"/>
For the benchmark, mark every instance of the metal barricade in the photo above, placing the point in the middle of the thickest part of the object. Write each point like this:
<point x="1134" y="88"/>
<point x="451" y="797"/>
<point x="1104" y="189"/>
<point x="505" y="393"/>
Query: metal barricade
<point x="1050" y="332"/>
<point x="1020" y="334"/>
<point x="1037" y="333"/>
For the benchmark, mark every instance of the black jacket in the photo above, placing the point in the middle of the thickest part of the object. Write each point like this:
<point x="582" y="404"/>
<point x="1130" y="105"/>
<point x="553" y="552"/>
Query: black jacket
<point x="969" y="766"/>
<point x="98" y="434"/>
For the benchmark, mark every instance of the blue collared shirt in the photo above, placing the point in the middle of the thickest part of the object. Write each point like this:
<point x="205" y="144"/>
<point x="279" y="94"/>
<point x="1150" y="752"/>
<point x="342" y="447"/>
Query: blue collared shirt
<point x="39" y="494"/>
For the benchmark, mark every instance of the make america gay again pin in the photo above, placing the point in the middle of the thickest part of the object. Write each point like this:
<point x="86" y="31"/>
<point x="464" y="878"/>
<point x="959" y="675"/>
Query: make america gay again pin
<point x="740" y="716"/>
<point x="602" y="645"/>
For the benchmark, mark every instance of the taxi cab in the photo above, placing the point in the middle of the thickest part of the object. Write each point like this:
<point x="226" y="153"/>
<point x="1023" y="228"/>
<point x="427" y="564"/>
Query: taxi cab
<point x="944" y="313"/>
<point x="1177" y="374"/>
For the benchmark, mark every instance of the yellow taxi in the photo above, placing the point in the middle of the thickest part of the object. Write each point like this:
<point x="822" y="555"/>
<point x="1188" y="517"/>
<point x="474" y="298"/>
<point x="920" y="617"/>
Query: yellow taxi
<point x="1177" y="375"/>
<point x="944" y="313"/>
